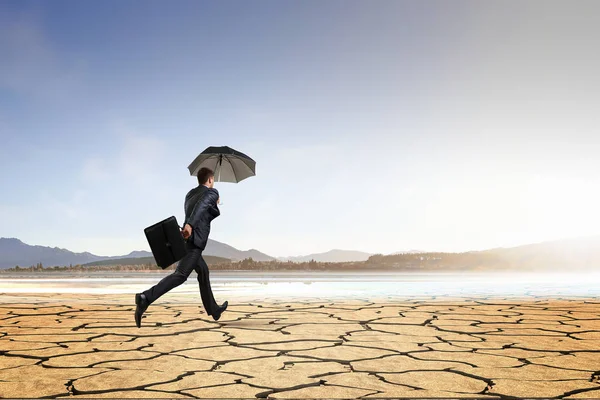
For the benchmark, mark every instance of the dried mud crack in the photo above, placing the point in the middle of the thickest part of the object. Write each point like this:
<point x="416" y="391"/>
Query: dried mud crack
<point x="67" y="346"/>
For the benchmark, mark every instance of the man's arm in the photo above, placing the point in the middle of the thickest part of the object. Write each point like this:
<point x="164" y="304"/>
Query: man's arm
<point x="185" y="216"/>
<point x="207" y="203"/>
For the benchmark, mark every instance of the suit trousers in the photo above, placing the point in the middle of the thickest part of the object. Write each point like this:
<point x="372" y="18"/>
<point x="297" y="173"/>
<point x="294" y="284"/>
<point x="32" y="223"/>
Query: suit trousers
<point x="191" y="261"/>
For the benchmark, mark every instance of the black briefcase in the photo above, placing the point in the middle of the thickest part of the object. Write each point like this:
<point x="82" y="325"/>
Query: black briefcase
<point x="166" y="242"/>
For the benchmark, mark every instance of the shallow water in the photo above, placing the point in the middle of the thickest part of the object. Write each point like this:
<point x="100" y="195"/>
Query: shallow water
<point x="315" y="284"/>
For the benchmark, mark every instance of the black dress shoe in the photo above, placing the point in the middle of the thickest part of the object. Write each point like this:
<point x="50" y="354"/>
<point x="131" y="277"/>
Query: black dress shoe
<point x="141" y="305"/>
<point x="219" y="311"/>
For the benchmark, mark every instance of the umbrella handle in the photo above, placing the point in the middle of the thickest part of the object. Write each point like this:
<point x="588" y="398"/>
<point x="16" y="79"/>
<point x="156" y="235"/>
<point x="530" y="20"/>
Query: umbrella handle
<point x="219" y="178"/>
<point x="220" y="166"/>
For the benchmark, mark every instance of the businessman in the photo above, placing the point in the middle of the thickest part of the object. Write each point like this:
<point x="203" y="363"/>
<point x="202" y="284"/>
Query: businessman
<point x="200" y="209"/>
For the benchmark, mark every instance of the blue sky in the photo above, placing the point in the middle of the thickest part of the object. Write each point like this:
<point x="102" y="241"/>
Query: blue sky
<point x="377" y="126"/>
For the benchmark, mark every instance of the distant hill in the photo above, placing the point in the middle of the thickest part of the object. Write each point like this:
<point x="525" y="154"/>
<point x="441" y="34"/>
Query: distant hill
<point x="552" y="256"/>
<point x="14" y="252"/>
<point x="138" y="254"/>
<point x="215" y="248"/>
<point x="565" y="254"/>
<point x="210" y="260"/>
<point x="334" y="255"/>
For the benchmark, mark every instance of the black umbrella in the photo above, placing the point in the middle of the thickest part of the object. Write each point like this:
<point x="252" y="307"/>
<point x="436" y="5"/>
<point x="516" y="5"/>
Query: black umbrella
<point x="228" y="165"/>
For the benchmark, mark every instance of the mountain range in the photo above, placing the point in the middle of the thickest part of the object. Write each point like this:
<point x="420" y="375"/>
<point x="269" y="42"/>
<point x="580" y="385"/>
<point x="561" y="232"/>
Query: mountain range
<point x="14" y="252"/>
<point x="574" y="253"/>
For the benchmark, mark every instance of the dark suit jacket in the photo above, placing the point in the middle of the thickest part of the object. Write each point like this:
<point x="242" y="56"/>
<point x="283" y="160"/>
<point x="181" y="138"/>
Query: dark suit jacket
<point x="200" y="209"/>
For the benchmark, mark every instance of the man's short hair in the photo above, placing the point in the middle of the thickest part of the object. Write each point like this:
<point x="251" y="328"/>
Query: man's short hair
<point x="204" y="174"/>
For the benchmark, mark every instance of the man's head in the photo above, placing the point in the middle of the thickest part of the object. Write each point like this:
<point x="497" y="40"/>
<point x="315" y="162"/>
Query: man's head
<point x="206" y="177"/>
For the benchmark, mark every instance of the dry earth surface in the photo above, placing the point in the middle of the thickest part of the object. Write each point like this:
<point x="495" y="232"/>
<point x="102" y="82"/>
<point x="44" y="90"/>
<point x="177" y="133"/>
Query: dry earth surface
<point x="67" y="345"/>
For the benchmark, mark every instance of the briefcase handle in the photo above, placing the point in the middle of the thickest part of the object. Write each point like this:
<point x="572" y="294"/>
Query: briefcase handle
<point x="185" y="240"/>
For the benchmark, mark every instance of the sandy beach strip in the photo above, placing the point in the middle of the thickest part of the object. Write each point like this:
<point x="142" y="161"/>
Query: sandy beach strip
<point x="87" y="345"/>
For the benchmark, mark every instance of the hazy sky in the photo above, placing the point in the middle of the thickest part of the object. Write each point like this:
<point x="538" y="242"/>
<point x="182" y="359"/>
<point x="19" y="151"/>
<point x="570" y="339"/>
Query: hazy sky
<point x="376" y="125"/>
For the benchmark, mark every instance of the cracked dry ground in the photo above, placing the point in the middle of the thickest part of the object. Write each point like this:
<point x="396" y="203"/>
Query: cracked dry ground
<point x="416" y="347"/>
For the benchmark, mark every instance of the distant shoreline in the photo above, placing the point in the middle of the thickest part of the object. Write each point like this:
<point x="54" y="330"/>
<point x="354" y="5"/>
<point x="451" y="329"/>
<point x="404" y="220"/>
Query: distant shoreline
<point x="529" y="259"/>
<point x="170" y="270"/>
<point x="340" y="267"/>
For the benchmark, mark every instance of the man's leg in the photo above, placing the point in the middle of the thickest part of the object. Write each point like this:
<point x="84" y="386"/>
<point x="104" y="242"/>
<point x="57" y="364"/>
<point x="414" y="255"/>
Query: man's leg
<point x="179" y="276"/>
<point x="208" y="300"/>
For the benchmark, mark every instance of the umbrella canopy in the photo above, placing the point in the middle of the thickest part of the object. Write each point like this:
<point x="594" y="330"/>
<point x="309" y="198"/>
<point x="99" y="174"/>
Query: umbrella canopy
<point x="229" y="165"/>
